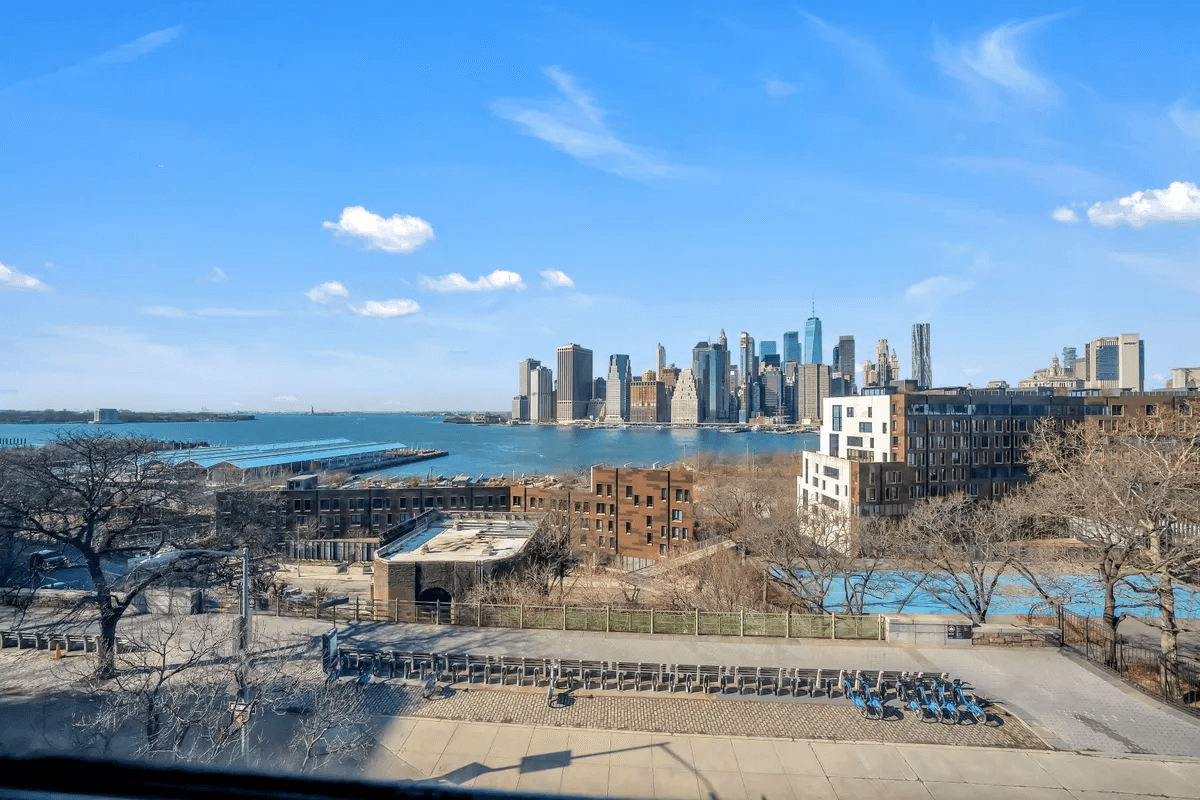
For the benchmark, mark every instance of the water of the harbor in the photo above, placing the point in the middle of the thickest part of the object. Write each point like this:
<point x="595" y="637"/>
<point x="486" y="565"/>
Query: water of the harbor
<point x="474" y="449"/>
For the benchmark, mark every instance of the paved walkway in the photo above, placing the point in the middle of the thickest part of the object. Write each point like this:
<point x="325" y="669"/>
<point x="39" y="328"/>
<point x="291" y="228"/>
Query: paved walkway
<point x="1071" y="705"/>
<point x="616" y="764"/>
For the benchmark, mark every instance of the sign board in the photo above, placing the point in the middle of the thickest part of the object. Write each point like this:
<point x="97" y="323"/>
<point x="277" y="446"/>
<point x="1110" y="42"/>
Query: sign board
<point x="958" y="631"/>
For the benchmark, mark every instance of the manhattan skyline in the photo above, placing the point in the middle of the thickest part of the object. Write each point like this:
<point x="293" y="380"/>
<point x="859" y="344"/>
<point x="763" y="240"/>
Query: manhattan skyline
<point x="272" y="209"/>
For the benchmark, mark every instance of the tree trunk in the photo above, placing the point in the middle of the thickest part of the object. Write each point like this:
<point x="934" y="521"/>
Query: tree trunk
<point x="1110" y="620"/>
<point x="107" y="652"/>
<point x="1169" y="637"/>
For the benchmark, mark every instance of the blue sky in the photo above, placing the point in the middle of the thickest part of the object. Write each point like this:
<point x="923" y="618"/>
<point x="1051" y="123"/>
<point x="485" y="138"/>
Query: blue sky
<point x="386" y="206"/>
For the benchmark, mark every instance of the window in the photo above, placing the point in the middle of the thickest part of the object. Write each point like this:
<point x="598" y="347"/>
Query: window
<point x="608" y="490"/>
<point x="587" y="508"/>
<point x="599" y="541"/>
<point x="297" y="504"/>
<point x="662" y="549"/>
<point x="849" y="411"/>
<point x="674" y="533"/>
<point x="854" y="441"/>
<point x="583" y="540"/>
<point x="649" y="501"/>
<point x="649" y="522"/>
<point x="356" y="519"/>
<point x="599" y="524"/>
<point x="612" y="543"/>
<point x="834" y="445"/>
<point x="637" y="500"/>
<point x="628" y="527"/>
<point x="308" y="505"/>
<point x="837" y="418"/>
<point x="1151" y="410"/>
<point x="1118" y="410"/>
<point x="664" y="494"/>
<point x="377" y="503"/>
<point x="664" y="531"/>
<point x="685" y="533"/>
<point x="599" y="488"/>
<point x="679" y="495"/>
<point x="629" y="490"/>
<point x="610" y="526"/>
<point x="884" y="430"/>
<point x="649" y="537"/>
<point x="864" y="427"/>
<point x="870" y="411"/>
<point x="324" y="504"/>
<point x="676" y="514"/>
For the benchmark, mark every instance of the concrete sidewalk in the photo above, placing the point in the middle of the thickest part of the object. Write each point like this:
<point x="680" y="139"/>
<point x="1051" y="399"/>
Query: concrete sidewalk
<point x="687" y="767"/>
<point x="1071" y="705"/>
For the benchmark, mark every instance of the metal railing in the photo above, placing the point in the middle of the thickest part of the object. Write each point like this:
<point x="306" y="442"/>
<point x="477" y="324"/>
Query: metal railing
<point x="1175" y="681"/>
<point x="608" y="619"/>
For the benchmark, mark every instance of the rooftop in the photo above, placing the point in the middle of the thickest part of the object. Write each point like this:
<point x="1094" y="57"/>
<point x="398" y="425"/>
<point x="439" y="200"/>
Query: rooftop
<point x="276" y="453"/>
<point x="446" y="537"/>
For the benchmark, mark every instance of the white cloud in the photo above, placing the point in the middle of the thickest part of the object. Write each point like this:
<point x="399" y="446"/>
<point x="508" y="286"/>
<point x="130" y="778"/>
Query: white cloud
<point x="12" y="280"/>
<point x="171" y="312"/>
<point x="1064" y="214"/>
<point x="937" y="288"/>
<point x="1179" y="202"/>
<point x="556" y="279"/>
<point x="575" y="125"/>
<point x="217" y="275"/>
<point x="997" y="60"/>
<point x="327" y="292"/>
<point x="776" y="87"/>
<point x="138" y="47"/>
<point x="388" y="308"/>
<point x="394" y="234"/>
<point x="495" y="281"/>
<point x="287" y="398"/>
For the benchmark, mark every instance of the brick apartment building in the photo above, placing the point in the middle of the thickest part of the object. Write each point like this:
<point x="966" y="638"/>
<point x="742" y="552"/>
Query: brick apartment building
<point x="635" y="516"/>
<point x="882" y="451"/>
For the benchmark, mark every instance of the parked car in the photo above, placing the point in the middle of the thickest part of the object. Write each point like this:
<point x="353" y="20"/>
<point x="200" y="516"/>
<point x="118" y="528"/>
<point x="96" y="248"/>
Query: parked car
<point x="48" y="559"/>
<point x="54" y="585"/>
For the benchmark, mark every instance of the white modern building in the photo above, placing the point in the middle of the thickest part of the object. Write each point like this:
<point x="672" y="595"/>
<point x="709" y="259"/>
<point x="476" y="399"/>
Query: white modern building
<point x="853" y="429"/>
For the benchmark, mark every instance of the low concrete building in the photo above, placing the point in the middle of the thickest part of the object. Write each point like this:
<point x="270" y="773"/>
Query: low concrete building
<point x="444" y="555"/>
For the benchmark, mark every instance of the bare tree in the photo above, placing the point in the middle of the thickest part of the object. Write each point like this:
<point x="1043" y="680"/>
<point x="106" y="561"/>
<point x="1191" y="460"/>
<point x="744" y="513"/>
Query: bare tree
<point x="106" y="499"/>
<point x="1131" y="492"/>
<point x="960" y="549"/>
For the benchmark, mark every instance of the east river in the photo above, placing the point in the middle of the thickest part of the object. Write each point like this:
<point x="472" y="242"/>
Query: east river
<point x="474" y="449"/>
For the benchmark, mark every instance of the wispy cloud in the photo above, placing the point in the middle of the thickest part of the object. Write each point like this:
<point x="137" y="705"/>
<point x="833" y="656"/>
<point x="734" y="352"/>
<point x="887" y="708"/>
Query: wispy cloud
<point x="862" y="53"/>
<point x="1187" y="120"/>
<point x="777" y="87"/>
<point x="1064" y="214"/>
<point x="12" y="280"/>
<point x="556" y="279"/>
<point x="218" y="276"/>
<point x="1182" y="274"/>
<point x="287" y="398"/>
<point x="174" y="312"/>
<point x="139" y="47"/>
<point x="494" y="281"/>
<point x="387" y="308"/>
<point x="327" y="292"/>
<point x="394" y="234"/>
<point x="574" y="124"/>
<point x="130" y="51"/>
<point x="1179" y="202"/>
<point x="997" y="59"/>
<point x="938" y="288"/>
<point x="1056" y="178"/>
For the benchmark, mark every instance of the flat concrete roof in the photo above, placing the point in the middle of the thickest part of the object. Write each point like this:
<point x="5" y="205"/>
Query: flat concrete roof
<point x="454" y="538"/>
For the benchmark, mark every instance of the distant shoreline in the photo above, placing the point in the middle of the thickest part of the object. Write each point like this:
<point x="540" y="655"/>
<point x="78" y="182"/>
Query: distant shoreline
<point x="86" y="417"/>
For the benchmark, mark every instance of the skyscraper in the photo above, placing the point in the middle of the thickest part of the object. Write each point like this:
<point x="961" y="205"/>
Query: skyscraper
<point x="710" y="363"/>
<point x="748" y="364"/>
<point x="1070" y="356"/>
<point x="767" y="348"/>
<point x="845" y="360"/>
<point x="686" y="401"/>
<point x="922" y="367"/>
<point x="791" y="347"/>
<point x="1116" y="362"/>
<point x="574" y="382"/>
<point x="541" y="394"/>
<point x="522" y="410"/>
<point x="660" y="359"/>
<point x="812" y="339"/>
<point x="616" y="401"/>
